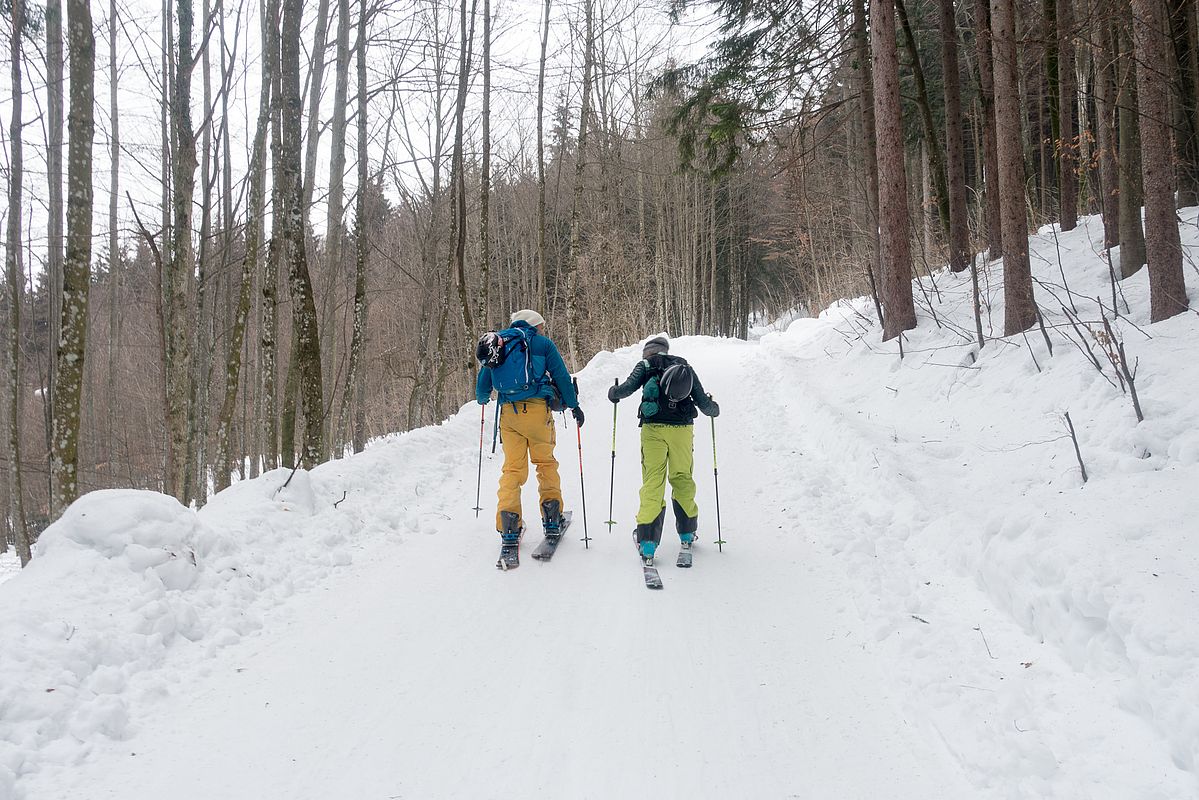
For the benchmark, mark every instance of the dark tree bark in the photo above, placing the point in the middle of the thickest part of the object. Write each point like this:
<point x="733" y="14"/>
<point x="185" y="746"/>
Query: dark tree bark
<point x="1132" y="235"/>
<point x="253" y="244"/>
<point x="15" y="279"/>
<point x="55" y="64"/>
<point x="458" y="171"/>
<point x="573" y="300"/>
<point x="1105" y="135"/>
<point x="1186" y="79"/>
<point x="485" y="178"/>
<point x="986" y="87"/>
<point x="354" y="378"/>
<point x="77" y="265"/>
<point x="899" y="310"/>
<point x="1167" y="287"/>
<point x="869" y="145"/>
<point x="1020" y="311"/>
<point x="955" y="150"/>
<point x="542" y="291"/>
<point x="181" y="262"/>
<point x="936" y="157"/>
<point x="1067" y="143"/>
<point x="304" y="322"/>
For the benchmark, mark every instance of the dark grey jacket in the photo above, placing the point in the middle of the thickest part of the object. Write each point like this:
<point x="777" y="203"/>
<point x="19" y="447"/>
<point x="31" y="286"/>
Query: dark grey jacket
<point x="684" y="412"/>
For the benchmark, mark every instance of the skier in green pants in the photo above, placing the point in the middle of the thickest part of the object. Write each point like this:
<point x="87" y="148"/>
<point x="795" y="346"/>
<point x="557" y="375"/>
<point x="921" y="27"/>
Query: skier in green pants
<point x="670" y="394"/>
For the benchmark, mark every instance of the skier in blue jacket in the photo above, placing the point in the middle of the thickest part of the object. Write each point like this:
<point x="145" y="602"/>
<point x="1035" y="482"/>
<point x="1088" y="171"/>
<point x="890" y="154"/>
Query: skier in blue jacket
<point x="527" y="429"/>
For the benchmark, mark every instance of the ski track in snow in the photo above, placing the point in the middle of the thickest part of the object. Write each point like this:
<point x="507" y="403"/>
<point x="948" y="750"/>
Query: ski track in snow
<point x="918" y="597"/>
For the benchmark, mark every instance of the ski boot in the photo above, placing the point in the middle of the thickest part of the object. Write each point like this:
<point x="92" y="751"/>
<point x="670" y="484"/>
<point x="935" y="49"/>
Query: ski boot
<point x="551" y="518"/>
<point x="509" y="541"/>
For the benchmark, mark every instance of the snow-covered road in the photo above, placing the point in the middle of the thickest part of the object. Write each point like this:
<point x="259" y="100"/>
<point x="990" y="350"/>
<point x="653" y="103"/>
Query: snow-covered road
<point x="423" y="672"/>
<point x="919" y="596"/>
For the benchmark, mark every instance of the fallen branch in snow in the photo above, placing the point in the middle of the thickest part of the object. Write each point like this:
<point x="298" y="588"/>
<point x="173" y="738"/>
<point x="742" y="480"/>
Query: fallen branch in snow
<point x="986" y="644"/>
<point x="344" y="495"/>
<point x="1077" y="451"/>
<point x="1030" y="352"/>
<point x="1045" y="333"/>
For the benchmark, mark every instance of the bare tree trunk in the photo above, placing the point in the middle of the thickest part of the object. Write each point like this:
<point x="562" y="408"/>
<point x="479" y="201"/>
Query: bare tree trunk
<point x="1067" y="144"/>
<point x="1182" y="29"/>
<point x="114" y="260"/>
<point x="485" y="167"/>
<point x="986" y="81"/>
<point x="1132" y="235"/>
<point x="307" y="336"/>
<point x="899" y="311"/>
<point x="458" y="171"/>
<point x="354" y="377"/>
<point x="576" y="213"/>
<point x="181" y="263"/>
<point x="955" y="149"/>
<point x="55" y="64"/>
<point x="316" y="85"/>
<point x="1105" y="136"/>
<point x="1020" y="311"/>
<point x="269" y="289"/>
<point x="542" y="274"/>
<point x="77" y="265"/>
<point x="253" y="243"/>
<point x="1167" y="286"/>
<point x="868" y="144"/>
<point x="936" y="157"/>
<point x="15" y="277"/>
<point x="335" y="221"/>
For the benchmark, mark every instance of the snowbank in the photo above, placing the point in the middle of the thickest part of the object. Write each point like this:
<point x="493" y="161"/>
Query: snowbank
<point x="959" y="473"/>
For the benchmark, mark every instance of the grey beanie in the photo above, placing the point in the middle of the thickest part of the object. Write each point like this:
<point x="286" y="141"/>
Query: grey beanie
<point x="658" y="344"/>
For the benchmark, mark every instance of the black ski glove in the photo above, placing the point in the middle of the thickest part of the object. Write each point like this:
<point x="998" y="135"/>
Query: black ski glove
<point x="577" y="413"/>
<point x="612" y="394"/>
<point x="713" y="407"/>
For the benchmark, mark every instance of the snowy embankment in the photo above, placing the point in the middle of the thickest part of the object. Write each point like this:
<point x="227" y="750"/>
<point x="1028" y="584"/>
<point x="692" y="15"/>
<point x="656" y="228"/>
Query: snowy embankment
<point x="919" y="596"/>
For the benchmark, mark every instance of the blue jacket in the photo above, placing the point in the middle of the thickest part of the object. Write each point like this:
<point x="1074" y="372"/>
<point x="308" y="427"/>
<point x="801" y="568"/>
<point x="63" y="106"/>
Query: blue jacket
<point x="545" y="361"/>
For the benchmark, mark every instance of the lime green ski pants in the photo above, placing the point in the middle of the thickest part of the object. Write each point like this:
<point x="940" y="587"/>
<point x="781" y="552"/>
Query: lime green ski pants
<point x="667" y="452"/>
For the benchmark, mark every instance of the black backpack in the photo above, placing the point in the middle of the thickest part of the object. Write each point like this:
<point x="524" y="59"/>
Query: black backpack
<point x="668" y="390"/>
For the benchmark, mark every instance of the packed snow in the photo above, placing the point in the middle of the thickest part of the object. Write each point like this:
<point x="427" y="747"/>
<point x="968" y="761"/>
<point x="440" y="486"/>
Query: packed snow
<point x="918" y="596"/>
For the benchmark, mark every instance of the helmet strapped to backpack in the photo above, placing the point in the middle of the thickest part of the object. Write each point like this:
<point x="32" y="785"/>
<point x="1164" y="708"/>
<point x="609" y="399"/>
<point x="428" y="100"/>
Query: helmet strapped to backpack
<point x="506" y="354"/>
<point x="668" y="388"/>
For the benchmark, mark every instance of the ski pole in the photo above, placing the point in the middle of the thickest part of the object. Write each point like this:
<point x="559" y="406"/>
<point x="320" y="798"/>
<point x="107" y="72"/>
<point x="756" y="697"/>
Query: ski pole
<point x="612" y="475"/>
<point x="582" y="484"/>
<point x="495" y="434"/>
<point x="716" y="480"/>
<point x="479" y="482"/>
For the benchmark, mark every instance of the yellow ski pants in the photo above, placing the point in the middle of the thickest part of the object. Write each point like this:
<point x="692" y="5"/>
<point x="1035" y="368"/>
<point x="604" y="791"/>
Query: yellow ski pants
<point x="527" y="432"/>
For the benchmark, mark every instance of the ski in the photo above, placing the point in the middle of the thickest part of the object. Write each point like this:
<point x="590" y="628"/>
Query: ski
<point x="652" y="579"/>
<point x="549" y="545"/>
<point x="509" y="557"/>
<point x="684" y="559"/>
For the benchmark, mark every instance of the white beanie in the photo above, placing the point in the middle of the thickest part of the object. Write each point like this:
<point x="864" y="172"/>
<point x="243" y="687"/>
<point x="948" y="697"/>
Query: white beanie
<point x="529" y="316"/>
